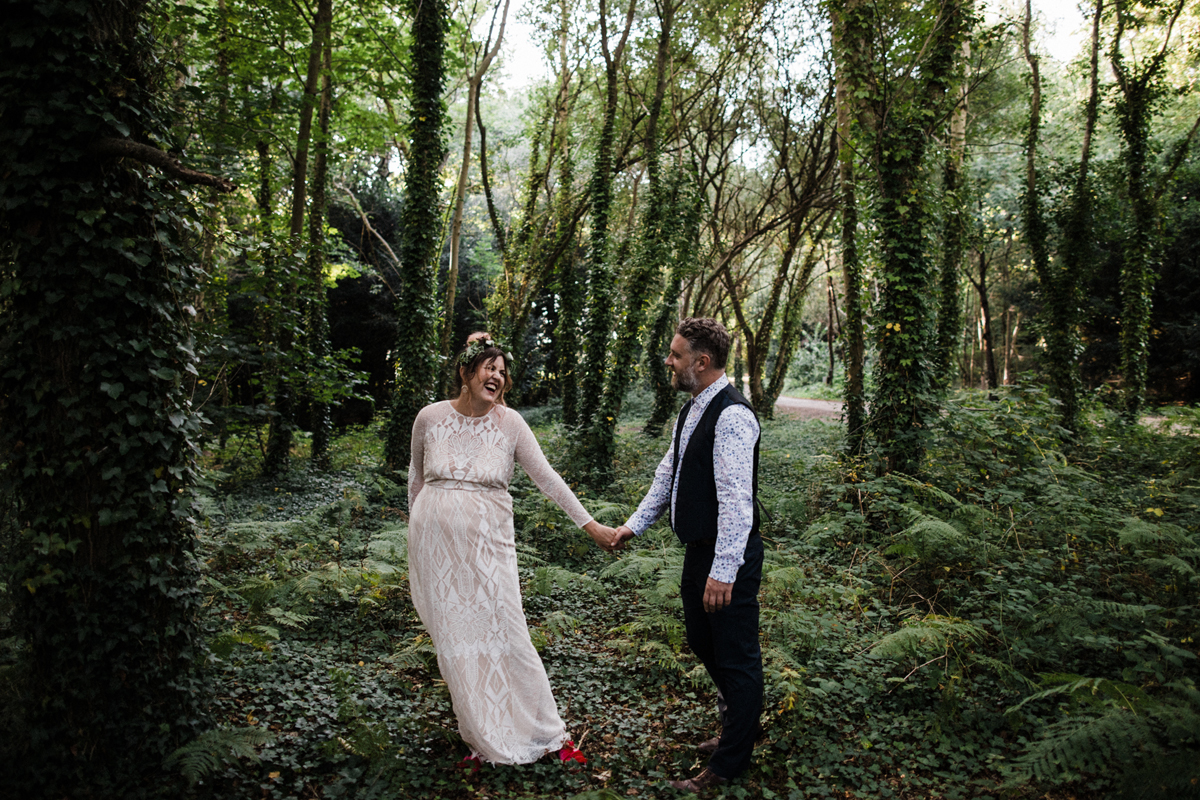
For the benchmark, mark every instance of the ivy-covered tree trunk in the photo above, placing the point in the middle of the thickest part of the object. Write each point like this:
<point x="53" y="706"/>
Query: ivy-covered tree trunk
<point x="903" y="402"/>
<point x="602" y="285"/>
<point x="651" y="253"/>
<point x="569" y="274"/>
<point x="95" y="423"/>
<point x="687" y="206"/>
<point x="1141" y="86"/>
<point x="949" y="317"/>
<point x="849" y="57"/>
<point x="316" y="304"/>
<point x="416" y="336"/>
<point x="1059" y="286"/>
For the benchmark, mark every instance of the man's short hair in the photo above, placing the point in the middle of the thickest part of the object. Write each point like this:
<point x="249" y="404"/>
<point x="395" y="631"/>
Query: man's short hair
<point x="706" y="335"/>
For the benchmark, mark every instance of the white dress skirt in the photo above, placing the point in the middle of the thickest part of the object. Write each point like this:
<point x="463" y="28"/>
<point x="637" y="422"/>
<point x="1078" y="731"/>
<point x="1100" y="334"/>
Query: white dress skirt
<point x="462" y="568"/>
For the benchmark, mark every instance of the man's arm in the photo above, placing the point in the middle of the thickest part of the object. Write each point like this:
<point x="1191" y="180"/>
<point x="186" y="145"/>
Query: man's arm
<point x="733" y="465"/>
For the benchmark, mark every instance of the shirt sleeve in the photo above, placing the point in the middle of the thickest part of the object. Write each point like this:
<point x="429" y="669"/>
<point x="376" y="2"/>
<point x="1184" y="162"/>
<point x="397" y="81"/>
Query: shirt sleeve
<point x="529" y="455"/>
<point x="733" y="465"/>
<point x="416" y="463"/>
<point x="658" y="499"/>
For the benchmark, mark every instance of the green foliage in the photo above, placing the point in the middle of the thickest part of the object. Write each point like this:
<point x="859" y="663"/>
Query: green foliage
<point x="215" y="748"/>
<point x="415" y="352"/>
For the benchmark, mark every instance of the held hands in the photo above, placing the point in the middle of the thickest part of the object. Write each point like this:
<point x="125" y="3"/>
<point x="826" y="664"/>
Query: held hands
<point x="606" y="538"/>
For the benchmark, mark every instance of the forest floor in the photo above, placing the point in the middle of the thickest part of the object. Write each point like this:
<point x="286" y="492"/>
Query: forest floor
<point x="951" y="638"/>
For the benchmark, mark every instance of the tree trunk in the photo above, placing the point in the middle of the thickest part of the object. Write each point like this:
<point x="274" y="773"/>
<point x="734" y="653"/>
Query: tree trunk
<point x="1139" y="88"/>
<point x="949" y="318"/>
<point x="848" y="55"/>
<point x="602" y="282"/>
<point x="474" y="82"/>
<point x="420" y="245"/>
<point x="316" y="306"/>
<point x="95" y="423"/>
<point x="279" y="435"/>
<point x="829" y="338"/>
<point x="572" y="282"/>
<point x="651" y="257"/>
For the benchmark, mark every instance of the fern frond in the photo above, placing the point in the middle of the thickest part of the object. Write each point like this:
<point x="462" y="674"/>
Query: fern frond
<point x="419" y="655"/>
<point x="212" y="749"/>
<point x="560" y="623"/>
<point x="1085" y="744"/>
<point x="1088" y="691"/>
<point x="927" y="636"/>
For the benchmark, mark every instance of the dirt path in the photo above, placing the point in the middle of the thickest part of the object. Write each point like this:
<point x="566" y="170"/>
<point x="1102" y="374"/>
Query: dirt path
<point x="802" y="408"/>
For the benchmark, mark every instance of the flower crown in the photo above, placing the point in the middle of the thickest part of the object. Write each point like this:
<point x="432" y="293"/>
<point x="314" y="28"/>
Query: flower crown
<point x="477" y="346"/>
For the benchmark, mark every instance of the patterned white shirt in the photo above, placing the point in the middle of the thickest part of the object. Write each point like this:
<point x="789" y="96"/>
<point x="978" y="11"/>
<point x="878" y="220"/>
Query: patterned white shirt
<point x="733" y="467"/>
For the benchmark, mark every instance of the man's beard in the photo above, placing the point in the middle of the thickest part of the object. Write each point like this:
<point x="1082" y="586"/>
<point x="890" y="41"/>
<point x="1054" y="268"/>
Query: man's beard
<point x="685" y="380"/>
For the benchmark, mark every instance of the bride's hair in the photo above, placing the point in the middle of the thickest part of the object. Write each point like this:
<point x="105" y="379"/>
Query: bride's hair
<point x="475" y="357"/>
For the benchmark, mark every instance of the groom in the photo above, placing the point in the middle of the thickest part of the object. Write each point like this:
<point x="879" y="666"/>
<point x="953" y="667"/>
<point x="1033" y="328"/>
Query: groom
<point x="708" y="482"/>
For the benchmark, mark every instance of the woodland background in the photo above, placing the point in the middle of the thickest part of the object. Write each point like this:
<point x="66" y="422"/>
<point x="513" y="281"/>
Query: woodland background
<point x="239" y="242"/>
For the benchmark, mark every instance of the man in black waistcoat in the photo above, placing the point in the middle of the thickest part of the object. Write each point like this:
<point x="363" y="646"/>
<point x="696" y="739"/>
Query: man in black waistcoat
<point x="708" y="482"/>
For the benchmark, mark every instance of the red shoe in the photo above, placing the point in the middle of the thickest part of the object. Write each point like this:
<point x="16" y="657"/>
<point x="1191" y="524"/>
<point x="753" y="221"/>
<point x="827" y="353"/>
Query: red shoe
<point x="472" y="763"/>
<point x="570" y="753"/>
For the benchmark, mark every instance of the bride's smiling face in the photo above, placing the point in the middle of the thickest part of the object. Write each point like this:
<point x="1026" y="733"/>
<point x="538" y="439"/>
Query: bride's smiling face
<point x="489" y="381"/>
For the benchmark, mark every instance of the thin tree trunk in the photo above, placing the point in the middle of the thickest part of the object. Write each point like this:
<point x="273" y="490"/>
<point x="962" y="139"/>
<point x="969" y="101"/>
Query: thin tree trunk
<point x="317" y="318"/>
<point x="650" y="258"/>
<point x="474" y="83"/>
<point x="279" y="436"/>
<point x="848" y="52"/>
<point x="1139" y="266"/>
<point x="829" y="336"/>
<point x="949" y="320"/>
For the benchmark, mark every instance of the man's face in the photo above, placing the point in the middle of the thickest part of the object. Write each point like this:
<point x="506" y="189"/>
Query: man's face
<point x="682" y="363"/>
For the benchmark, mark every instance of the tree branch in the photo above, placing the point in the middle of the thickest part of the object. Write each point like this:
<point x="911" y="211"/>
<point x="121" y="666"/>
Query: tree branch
<point x="148" y="154"/>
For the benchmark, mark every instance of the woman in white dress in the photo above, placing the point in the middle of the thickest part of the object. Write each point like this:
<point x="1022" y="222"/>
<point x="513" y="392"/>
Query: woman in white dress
<point x="462" y="560"/>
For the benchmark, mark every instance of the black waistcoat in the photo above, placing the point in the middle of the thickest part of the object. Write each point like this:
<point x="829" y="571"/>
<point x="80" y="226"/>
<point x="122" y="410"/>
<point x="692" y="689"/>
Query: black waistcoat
<point x="695" y="517"/>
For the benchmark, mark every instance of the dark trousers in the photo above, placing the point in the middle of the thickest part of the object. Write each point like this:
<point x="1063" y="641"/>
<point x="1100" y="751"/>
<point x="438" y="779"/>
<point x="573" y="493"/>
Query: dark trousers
<point x="726" y="642"/>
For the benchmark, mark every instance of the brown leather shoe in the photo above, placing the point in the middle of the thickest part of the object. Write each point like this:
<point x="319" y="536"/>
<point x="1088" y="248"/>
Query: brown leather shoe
<point x="709" y="746"/>
<point x="705" y="780"/>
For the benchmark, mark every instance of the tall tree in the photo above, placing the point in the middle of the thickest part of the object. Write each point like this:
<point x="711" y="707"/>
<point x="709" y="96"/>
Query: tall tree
<point x="601" y="275"/>
<point x="902" y="104"/>
<point x="949" y="316"/>
<point x="851" y="70"/>
<point x="570" y="276"/>
<point x="481" y="57"/>
<point x="650" y="260"/>
<point x="316" y="316"/>
<point x="279" y="435"/>
<point x="95" y="423"/>
<point x="1141" y="87"/>
<point x="416" y="335"/>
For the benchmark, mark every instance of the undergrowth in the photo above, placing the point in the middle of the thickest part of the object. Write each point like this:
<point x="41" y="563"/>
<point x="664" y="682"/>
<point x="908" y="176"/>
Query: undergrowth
<point x="1017" y="621"/>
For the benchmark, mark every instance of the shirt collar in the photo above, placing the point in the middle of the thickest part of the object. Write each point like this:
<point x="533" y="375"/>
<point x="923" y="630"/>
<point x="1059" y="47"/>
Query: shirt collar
<point x="701" y="401"/>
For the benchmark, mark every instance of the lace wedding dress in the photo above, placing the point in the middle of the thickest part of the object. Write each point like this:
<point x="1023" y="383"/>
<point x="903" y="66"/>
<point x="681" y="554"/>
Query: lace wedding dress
<point x="462" y="568"/>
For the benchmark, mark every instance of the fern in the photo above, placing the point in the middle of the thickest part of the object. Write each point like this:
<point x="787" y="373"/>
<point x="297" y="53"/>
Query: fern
<point x="932" y="540"/>
<point x="215" y="748"/>
<point x="546" y="577"/>
<point x="663" y="567"/>
<point x="1153" y="739"/>
<point x="419" y="655"/>
<point x="927" y="636"/>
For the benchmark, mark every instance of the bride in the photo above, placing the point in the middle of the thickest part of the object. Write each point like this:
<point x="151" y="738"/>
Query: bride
<point x="463" y="562"/>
